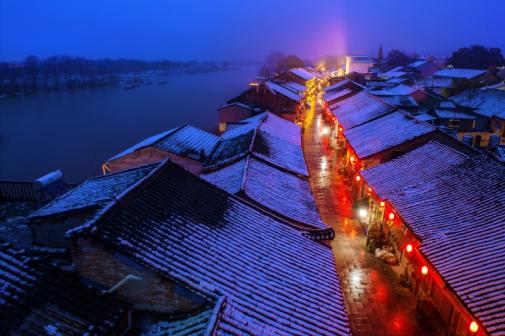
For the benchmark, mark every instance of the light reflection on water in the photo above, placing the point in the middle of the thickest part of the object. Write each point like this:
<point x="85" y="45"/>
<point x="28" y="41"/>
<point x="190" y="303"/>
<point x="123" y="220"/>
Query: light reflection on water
<point x="60" y="130"/>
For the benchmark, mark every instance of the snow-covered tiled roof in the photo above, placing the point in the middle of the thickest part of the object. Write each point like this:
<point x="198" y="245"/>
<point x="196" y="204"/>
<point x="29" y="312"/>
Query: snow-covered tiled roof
<point x="335" y="94"/>
<point x="403" y="89"/>
<point x="343" y="83"/>
<point x="459" y="217"/>
<point x="296" y="86"/>
<point x="283" y="91"/>
<point x="391" y="74"/>
<point x="447" y="103"/>
<point x="39" y="299"/>
<point x="267" y="136"/>
<point x="379" y="83"/>
<point x="497" y="110"/>
<point x="479" y="98"/>
<point x="183" y="141"/>
<point x="398" y="100"/>
<point x="416" y="64"/>
<point x="231" y="125"/>
<point x="442" y="113"/>
<point x="198" y="322"/>
<point x="498" y="150"/>
<point x="302" y="73"/>
<point x="274" y="280"/>
<point x="386" y="132"/>
<point x="458" y="73"/>
<point x="421" y="164"/>
<point x="236" y="104"/>
<point x="360" y="109"/>
<point x="95" y="193"/>
<point x="280" y="192"/>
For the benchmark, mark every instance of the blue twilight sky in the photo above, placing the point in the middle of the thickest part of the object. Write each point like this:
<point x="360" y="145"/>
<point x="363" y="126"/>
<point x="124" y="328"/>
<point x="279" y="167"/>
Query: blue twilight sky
<point x="244" y="30"/>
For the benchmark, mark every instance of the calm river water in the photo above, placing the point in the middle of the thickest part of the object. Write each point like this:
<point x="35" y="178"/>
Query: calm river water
<point x="60" y="130"/>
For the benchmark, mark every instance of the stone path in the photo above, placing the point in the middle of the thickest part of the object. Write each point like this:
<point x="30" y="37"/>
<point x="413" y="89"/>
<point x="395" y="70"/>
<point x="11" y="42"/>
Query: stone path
<point x="375" y="305"/>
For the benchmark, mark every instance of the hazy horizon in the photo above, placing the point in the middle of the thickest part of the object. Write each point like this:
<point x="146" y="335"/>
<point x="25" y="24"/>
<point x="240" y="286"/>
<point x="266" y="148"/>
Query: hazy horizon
<point x="239" y="31"/>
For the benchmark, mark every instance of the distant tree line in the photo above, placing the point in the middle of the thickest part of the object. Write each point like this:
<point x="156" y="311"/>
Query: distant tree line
<point x="62" y="72"/>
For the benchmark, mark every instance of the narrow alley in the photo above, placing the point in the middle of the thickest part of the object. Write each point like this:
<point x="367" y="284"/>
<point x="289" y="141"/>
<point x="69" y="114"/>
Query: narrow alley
<point x="376" y="305"/>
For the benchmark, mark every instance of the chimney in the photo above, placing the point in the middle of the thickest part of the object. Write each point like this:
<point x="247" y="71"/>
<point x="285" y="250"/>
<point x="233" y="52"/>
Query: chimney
<point x="477" y="141"/>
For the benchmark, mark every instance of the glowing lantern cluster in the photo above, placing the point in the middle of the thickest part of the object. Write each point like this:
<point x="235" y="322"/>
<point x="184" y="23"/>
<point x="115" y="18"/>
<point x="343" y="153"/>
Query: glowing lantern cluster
<point x="474" y="327"/>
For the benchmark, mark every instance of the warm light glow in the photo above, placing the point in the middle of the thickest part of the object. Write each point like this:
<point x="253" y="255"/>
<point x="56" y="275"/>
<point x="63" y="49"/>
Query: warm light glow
<point x="358" y="178"/>
<point x="326" y="131"/>
<point x="340" y="129"/>
<point x="254" y="84"/>
<point x="409" y="248"/>
<point x="362" y="212"/>
<point x="424" y="270"/>
<point x="391" y="216"/>
<point x="474" y="327"/>
<point x="383" y="204"/>
<point x="369" y="189"/>
<point x="352" y="159"/>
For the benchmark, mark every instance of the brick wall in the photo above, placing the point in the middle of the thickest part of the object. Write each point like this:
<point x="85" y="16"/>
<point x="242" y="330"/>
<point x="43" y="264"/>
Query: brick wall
<point x="151" y="154"/>
<point x="50" y="233"/>
<point x="154" y="292"/>
<point x="232" y="113"/>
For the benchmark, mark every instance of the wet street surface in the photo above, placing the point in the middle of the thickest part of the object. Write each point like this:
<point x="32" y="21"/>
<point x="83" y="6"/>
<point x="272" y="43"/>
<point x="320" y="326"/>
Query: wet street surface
<point x="376" y="304"/>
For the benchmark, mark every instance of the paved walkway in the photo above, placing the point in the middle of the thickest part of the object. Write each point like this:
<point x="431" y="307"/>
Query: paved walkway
<point x="375" y="305"/>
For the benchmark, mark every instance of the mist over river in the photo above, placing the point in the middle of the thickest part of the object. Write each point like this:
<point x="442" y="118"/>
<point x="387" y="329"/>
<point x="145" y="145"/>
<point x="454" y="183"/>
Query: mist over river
<point x="40" y="133"/>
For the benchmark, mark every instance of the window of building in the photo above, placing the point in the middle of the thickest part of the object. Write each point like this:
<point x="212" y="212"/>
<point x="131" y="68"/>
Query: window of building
<point x="453" y="123"/>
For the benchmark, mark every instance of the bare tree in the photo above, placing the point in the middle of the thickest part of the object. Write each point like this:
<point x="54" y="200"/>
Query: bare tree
<point x="32" y="68"/>
<point x="267" y="68"/>
<point x="4" y="73"/>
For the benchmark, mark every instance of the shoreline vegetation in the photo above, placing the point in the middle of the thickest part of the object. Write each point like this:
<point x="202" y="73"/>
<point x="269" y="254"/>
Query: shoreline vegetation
<point x="61" y="73"/>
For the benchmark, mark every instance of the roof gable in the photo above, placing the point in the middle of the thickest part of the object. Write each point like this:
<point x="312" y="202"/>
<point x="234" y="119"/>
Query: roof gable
<point x="459" y="73"/>
<point x="302" y="73"/>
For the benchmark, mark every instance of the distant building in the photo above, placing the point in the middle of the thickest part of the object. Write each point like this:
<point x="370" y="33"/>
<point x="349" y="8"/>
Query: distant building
<point x="185" y="145"/>
<point x="479" y="75"/>
<point x="358" y="63"/>
<point x="300" y="76"/>
<point x="424" y="68"/>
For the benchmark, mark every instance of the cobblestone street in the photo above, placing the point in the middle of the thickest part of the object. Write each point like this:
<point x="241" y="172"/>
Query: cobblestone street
<point x="375" y="305"/>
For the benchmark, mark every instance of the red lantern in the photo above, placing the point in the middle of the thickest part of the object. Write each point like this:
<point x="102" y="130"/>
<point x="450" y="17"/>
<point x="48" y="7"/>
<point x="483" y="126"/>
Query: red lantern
<point x="352" y="159"/>
<point x="424" y="270"/>
<point x="409" y="248"/>
<point x="369" y="189"/>
<point x="358" y="178"/>
<point x="340" y="129"/>
<point x="383" y="204"/>
<point x="391" y="216"/>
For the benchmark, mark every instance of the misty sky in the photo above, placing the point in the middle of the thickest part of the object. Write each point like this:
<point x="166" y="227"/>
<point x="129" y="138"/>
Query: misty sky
<point x="244" y="30"/>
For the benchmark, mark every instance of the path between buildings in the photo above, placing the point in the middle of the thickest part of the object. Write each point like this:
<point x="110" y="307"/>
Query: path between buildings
<point x="375" y="306"/>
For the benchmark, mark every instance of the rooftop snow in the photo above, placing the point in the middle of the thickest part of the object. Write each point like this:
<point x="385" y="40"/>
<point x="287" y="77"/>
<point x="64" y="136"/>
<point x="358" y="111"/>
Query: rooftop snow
<point x="479" y="98"/>
<point x="283" y="91"/>
<point x="281" y="192"/>
<point x="328" y="97"/>
<point x="183" y="141"/>
<point x="441" y="113"/>
<point x="95" y="193"/>
<point x="296" y="86"/>
<point x="434" y="82"/>
<point x="343" y="84"/>
<point x="399" y="100"/>
<point x="403" y="89"/>
<point x="392" y="73"/>
<point x="498" y="150"/>
<point x="360" y="109"/>
<point x="423" y="163"/>
<point x="273" y="278"/>
<point x="386" y="132"/>
<point x="36" y="296"/>
<point x="496" y="110"/>
<point x="458" y="73"/>
<point x="462" y="210"/>
<point x="416" y="64"/>
<point x="302" y="73"/>
<point x="236" y="104"/>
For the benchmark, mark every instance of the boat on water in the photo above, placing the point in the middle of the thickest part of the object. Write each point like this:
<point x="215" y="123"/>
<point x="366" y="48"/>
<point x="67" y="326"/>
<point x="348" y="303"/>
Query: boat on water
<point x="128" y="87"/>
<point x="162" y="82"/>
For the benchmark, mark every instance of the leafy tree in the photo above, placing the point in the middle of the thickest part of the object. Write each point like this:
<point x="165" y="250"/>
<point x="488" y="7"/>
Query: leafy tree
<point x="397" y="58"/>
<point x="476" y="57"/>
<point x="380" y="55"/>
<point x="270" y="63"/>
<point x="462" y="84"/>
<point x="289" y="62"/>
